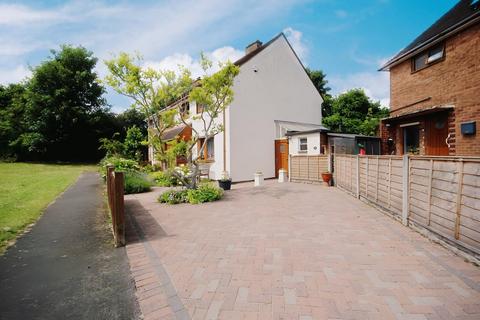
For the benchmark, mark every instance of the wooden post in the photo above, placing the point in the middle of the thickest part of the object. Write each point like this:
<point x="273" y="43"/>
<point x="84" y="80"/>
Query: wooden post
<point x="109" y="185"/>
<point x="119" y="210"/>
<point x="308" y="167"/>
<point x="405" y="189"/>
<point x="459" y="199"/>
<point x="358" y="177"/>
<point x="429" y="193"/>
<point x="289" y="167"/>
<point x="376" y="187"/>
<point x="389" y="182"/>
<point x="366" y="176"/>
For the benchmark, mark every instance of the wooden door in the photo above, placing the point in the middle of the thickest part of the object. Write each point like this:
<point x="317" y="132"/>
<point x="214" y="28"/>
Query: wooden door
<point x="281" y="155"/>
<point x="436" y="132"/>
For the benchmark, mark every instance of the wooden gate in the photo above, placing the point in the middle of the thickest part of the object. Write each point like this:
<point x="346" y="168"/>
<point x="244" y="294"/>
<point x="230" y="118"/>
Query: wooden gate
<point x="281" y="155"/>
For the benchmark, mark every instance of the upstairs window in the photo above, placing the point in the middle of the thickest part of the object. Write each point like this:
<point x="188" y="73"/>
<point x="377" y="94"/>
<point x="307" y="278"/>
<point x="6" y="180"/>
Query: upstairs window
<point x="185" y="108"/>
<point x="199" y="108"/>
<point x="302" y="145"/>
<point x="429" y="57"/>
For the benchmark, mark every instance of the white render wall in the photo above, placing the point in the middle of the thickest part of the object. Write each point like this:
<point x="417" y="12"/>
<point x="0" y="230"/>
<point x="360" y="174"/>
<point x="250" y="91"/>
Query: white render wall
<point x="313" y="144"/>
<point x="279" y="90"/>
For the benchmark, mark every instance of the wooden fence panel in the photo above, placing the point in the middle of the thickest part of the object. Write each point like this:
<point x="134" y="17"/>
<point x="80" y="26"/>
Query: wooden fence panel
<point x="443" y="193"/>
<point x="308" y="168"/>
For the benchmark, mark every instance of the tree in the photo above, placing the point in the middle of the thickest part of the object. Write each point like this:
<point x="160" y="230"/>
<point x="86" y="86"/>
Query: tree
<point x="214" y="93"/>
<point x="354" y="112"/>
<point x="151" y="92"/>
<point x="129" y="118"/>
<point x="133" y="144"/>
<point x="320" y="82"/>
<point x="12" y="112"/>
<point x="65" y="110"/>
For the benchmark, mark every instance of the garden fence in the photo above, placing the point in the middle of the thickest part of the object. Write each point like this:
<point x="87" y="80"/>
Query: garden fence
<point x="307" y="168"/>
<point x="115" y="194"/>
<point x="440" y="194"/>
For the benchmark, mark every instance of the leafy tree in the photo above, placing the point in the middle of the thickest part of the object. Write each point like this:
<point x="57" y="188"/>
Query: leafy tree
<point x="65" y="110"/>
<point x="320" y="82"/>
<point x="12" y="111"/>
<point x="132" y="117"/>
<point x="151" y="92"/>
<point x="354" y="112"/>
<point x="133" y="145"/>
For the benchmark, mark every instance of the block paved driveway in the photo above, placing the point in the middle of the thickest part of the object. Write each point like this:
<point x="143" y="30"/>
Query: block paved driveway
<point x="291" y="251"/>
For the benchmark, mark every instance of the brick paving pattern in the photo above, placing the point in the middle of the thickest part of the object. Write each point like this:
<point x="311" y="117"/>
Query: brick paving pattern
<point x="291" y="251"/>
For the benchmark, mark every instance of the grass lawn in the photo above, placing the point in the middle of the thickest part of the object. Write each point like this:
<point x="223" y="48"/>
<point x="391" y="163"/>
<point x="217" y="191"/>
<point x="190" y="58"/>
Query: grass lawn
<point x="26" y="189"/>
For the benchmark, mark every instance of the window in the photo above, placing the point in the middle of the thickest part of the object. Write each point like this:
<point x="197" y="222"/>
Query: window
<point x="429" y="57"/>
<point x="411" y="140"/>
<point x="302" y="145"/>
<point x="208" y="152"/>
<point x="185" y="108"/>
<point x="199" y="108"/>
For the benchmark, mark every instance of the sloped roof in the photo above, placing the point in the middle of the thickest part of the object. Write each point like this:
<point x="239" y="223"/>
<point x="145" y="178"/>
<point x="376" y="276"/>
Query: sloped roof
<point x="462" y="15"/>
<point x="171" y="133"/>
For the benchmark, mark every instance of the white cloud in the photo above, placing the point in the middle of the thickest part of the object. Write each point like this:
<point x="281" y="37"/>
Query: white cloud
<point x="295" y="39"/>
<point x="177" y="60"/>
<point x="13" y="75"/>
<point x="15" y="15"/>
<point x="375" y="84"/>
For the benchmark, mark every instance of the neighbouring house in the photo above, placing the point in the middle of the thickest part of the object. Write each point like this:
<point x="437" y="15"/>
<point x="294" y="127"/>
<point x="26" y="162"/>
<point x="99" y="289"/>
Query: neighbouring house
<point x="434" y="89"/>
<point x="273" y="94"/>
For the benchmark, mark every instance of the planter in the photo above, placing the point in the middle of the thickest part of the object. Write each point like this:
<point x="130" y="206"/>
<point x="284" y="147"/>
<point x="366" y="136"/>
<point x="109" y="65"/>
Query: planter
<point x="326" y="177"/>
<point x="225" y="184"/>
<point x="282" y="175"/>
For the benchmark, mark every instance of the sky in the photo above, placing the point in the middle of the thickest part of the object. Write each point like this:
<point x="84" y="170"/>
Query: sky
<point x="348" y="40"/>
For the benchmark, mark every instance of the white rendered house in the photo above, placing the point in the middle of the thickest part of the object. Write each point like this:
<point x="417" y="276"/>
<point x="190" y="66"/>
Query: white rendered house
<point x="272" y="96"/>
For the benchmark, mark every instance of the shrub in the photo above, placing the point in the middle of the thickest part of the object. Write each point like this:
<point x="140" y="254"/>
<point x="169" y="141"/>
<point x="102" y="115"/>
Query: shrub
<point x="136" y="182"/>
<point x="205" y="193"/>
<point x="120" y="164"/>
<point x="164" y="179"/>
<point x="173" y="196"/>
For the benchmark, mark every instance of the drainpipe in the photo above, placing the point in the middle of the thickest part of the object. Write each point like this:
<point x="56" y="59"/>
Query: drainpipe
<point x="224" y="141"/>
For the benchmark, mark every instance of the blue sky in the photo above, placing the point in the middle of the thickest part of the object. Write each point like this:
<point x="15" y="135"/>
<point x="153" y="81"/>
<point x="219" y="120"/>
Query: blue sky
<point x="348" y="40"/>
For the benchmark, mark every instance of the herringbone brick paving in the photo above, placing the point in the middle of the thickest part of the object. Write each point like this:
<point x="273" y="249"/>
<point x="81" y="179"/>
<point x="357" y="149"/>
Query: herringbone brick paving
<point x="292" y="251"/>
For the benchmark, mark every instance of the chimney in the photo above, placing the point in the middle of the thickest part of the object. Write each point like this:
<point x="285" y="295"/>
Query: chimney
<point x="252" y="47"/>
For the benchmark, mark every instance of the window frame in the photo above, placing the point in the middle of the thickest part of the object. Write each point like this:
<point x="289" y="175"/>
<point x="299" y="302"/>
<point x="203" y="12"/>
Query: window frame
<point x="300" y="144"/>
<point x="205" y="155"/>
<point x="427" y="54"/>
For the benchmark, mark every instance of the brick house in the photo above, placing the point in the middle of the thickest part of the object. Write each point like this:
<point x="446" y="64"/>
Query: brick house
<point x="435" y="87"/>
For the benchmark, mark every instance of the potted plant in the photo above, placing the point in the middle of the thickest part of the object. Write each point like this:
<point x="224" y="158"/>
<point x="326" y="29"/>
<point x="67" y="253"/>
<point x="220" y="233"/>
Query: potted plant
<point x="225" y="181"/>
<point x="327" y="177"/>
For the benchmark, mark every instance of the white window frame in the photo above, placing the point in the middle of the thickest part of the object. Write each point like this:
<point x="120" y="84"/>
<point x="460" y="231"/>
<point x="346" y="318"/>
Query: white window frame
<point x="300" y="144"/>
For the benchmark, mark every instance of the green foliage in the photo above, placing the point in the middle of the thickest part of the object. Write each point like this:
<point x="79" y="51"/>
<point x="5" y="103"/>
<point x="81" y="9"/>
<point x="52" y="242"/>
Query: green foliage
<point x="136" y="182"/>
<point x="206" y="192"/>
<point x="112" y="147"/>
<point x="130" y="118"/>
<point x="354" y="112"/>
<point x="320" y="82"/>
<point x="164" y="178"/>
<point x="120" y="164"/>
<point x="174" y="196"/>
<point x="133" y="145"/>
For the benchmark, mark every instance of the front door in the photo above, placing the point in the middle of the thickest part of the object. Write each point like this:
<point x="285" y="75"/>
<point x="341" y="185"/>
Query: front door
<point x="436" y="132"/>
<point x="281" y="155"/>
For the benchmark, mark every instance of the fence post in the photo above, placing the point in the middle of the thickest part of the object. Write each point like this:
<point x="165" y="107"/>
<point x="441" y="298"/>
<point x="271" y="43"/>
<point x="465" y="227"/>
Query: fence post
<point x="109" y="185"/>
<point x="358" y="177"/>
<point x="289" y="167"/>
<point x="405" y="187"/>
<point x="119" y="209"/>
<point x="458" y="210"/>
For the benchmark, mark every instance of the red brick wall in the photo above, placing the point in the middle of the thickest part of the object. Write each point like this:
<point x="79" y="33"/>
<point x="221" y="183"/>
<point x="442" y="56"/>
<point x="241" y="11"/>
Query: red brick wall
<point x="455" y="81"/>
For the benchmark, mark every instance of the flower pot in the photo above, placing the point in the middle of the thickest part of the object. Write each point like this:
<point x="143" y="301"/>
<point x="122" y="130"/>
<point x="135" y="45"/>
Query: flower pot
<point x="327" y="177"/>
<point x="225" y="184"/>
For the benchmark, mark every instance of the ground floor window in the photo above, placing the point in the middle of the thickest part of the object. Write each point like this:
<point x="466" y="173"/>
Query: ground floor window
<point x="411" y="140"/>
<point x="208" y="152"/>
<point x="302" y="145"/>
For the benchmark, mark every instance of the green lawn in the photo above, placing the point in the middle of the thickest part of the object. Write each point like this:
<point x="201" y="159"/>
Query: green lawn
<point x="26" y="189"/>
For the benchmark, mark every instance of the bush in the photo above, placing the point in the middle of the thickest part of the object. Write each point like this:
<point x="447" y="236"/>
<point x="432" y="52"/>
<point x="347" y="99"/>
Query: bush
<point x="174" y="196"/>
<point x="136" y="182"/>
<point x="164" y="179"/>
<point x="120" y="164"/>
<point x="205" y="193"/>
